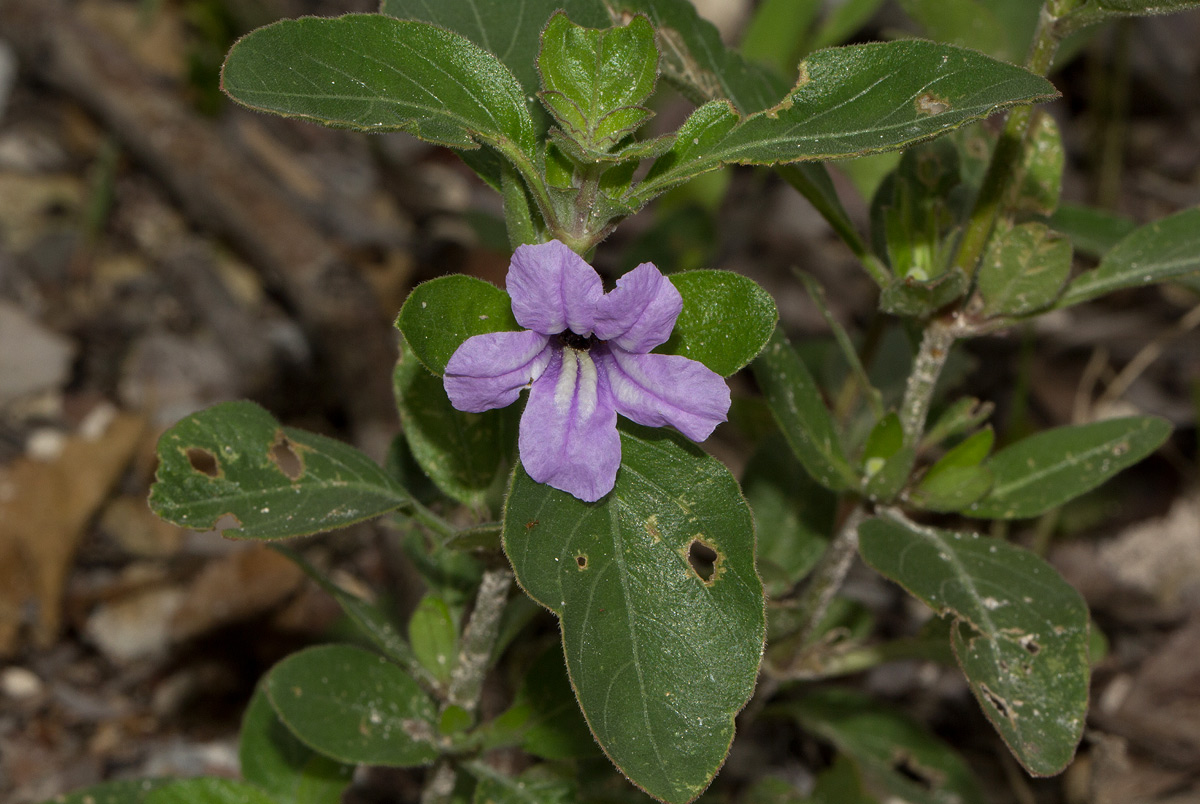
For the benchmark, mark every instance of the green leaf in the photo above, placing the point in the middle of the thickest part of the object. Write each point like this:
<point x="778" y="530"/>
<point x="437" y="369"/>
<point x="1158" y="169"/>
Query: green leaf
<point x="1092" y="231"/>
<point x="1002" y="30"/>
<point x="1041" y="168"/>
<point x="886" y="462"/>
<point x="1094" y="11"/>
<point x="1161" y="250"/>
<point x="963" y="415"/>
<point x="662" y="650"/>
<point x="911" y="297"/>
<point x="467" y="455"/>
<point x="442" y="313"/>
<point x="208" y="791"/>
<point x="510" y="29"/>
<point x="595" y="81"/>
<point x="951" y="489"/>
<point x="374" y="73"/>
<point x="1020" y="632"/>
<point x="272" y="758"/>
<point x="1049" y="468"/>
<point x="235" y="460"/>
<point x="696" y="61"/>
<point x="434" y="637"/>
<point x="857" y="100"/>
<point x="705" y="330"/>
<point x="124" y="791"/>
<point x="806" y="422"/>
<point x="793" y="514"/>
<point x="898" y="759"/>
<point x="1024" y="269"/>
<point x="777" y="32"/>
<point x="354" y="706"/>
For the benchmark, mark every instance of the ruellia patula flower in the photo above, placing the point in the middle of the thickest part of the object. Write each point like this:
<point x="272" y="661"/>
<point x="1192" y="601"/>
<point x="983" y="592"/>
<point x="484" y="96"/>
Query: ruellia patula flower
<point x="585" y="357"/>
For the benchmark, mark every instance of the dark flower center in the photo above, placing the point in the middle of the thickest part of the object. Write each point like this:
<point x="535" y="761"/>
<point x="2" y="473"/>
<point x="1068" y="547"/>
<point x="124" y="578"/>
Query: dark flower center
<point x="569" y="338"/>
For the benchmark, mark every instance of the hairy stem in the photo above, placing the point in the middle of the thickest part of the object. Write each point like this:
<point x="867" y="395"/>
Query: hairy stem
<point x="927" y="368"/>
<point x="479" y="638"/>
<point x="827" y="578"/>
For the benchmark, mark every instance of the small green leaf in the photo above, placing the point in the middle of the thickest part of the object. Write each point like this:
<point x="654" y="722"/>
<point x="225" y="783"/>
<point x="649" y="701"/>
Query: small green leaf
<point x="1041" y="168"/>
<point x="534" y="786"/>
<point x="706" y="330"/>
<point x="806" y="422"/>
<point x="434" y="637"/>
<point x="951" y="489"/>
<point x="354" y="706"/>
<point x="1161" y="250"/>
<point x="442" y="313"/>
<point x="1049" y="468"/>
<point x="911" y="297"/>
<point x="660" y="606"/>
<point x="374" y="73"/>
<point x="272" y="758"/>
<point x="204" y="790"/>
<point x="467" y="455"/>
<point x="885" y="440"/>
<point x="1020" y="633"/>
<point x="595" y="82"/>
<point x="793" y="514"/>
<point x="963" y="415"/>
<point x="124" y="791"/>
<point x="907" y="90"/>
<point x="234" y="460"/>
<point x="882" y="485"/>
<point x="897" y="757"/>
<point x="1024" y="269"/>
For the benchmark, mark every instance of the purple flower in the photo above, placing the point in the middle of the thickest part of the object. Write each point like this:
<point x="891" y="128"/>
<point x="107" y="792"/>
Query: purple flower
<point x="585" y="358"/>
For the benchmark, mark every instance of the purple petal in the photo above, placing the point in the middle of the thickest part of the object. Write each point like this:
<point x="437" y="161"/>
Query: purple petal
<point x="568" y="435"/>
<point x="553" y="289"/>
<point x="656" y="390"/>
<point x="640" y="312"/>
<point x="488" y="371"/>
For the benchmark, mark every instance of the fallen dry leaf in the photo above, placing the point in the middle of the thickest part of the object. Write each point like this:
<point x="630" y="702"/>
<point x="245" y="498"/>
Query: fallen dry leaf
<point x="45" y="507"/>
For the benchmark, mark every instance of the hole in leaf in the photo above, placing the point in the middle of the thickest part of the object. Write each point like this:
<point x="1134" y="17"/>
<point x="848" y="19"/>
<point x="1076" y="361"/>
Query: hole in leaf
<point x="1029" y="643"/>
<point x="286" y="458"/>
<point x="999" y="703"/>
<point x="907" y="766"/>
<point x="703" y="560"/>
<point x="203" y="461"/>
<point x="582" y="561"/>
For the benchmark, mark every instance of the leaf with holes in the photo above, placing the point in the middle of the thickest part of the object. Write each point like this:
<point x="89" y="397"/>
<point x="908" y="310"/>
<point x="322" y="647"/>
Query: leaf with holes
<point x="662" y="641"/>
<point x="806" y="422"/>
<point x="1020" y="631"/>
<point x="235" y="460"/>
<point x="852" y="101"/>
<point x="705" y="329"/>
<point x="467" y="455"/>
<point x="442" y="313"/>
<point x="208" y="791"/>
<point x="354" y="706"/>
<point x="1054" y="466"/>
<point x="1165" y="249"/>
<point x="375" y="73"/>
<point x="272" y="758"/>
<point x="896" y="757"/>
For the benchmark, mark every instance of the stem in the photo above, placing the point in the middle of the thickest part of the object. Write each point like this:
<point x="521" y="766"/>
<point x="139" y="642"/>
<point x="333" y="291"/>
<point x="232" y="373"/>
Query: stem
<point x="827" y="578"/>
<point x="1017" y="128"/>
<point x="429" y="519"/>
<point x="927" y="367"/>
<point x="479" y="638"/>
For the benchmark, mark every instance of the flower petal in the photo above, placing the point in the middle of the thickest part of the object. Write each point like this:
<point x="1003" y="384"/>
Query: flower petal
<point x="656" y="390"/>
<point x="553" y="289"/>
<point x="488" y="371"/>
<point x="568" y="435"/>
<point x="640" y="312"/>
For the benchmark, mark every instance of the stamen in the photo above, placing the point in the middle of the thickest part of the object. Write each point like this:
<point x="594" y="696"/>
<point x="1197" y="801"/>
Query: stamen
<point x="580" y="342"/>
